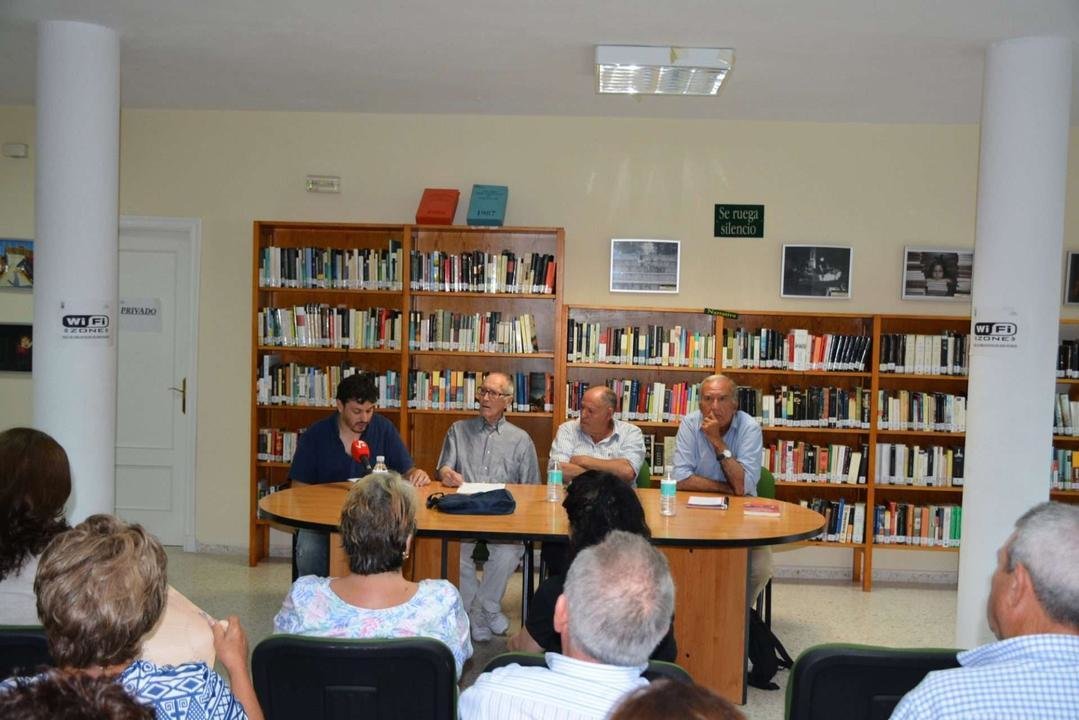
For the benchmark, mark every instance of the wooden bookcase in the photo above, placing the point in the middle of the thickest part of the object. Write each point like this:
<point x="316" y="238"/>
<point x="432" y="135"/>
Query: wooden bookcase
<point x="403" y="249"/>
<point x="1069" y="330"/>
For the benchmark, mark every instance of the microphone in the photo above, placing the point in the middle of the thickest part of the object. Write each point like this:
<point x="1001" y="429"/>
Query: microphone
<point x="361" y="453"/>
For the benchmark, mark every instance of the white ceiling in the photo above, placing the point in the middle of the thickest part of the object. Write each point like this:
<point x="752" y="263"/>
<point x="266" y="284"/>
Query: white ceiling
<point x="903" y="61"/>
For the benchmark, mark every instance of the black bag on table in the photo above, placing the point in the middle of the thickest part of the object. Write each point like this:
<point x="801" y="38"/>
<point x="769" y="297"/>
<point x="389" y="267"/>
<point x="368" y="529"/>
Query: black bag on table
<point x="491" y="502"/>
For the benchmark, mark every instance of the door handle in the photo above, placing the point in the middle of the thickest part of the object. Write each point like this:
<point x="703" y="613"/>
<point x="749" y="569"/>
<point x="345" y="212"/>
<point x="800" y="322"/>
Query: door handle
<point x="183" y="395"/>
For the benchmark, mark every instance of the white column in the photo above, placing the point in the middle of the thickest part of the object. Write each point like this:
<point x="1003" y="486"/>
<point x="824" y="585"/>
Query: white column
<point x="1016" y="305"/>
<point x="75" y="269"/>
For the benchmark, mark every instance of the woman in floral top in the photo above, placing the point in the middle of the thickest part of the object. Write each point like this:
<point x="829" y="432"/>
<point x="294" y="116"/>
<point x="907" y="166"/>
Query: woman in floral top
<point x="378" y="522"/>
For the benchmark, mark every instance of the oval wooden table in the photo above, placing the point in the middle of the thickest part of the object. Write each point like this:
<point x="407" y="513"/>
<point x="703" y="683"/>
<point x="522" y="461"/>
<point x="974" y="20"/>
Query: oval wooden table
<point x="706" y="549"/>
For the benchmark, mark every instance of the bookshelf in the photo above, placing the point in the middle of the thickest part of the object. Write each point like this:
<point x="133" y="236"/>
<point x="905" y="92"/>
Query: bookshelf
<point x="1064" y="480"/>
<point x="427" y="308"/>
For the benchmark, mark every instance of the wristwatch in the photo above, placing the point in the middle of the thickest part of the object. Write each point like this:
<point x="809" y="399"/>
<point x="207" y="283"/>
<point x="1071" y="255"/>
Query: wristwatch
<point x="724" y="455"/>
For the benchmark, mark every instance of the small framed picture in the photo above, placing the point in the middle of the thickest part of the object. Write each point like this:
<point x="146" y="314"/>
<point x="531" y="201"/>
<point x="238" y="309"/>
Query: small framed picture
<point x="1071" y="280"/>
<point x="16" y="263"/>
<point x="817" y="271"/>
<point x="645" y="266"/>
<point x="936" y="274"/>
<point x="16" y="348"/>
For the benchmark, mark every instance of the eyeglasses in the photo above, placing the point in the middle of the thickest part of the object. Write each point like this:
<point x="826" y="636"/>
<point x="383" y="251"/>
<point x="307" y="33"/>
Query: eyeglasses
<point x="487" y="392"/>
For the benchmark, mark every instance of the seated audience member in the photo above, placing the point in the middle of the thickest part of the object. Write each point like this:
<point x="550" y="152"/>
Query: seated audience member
<point x="596" y="503"/>
<point x="101" y="588"/>
<point x="617" y="604"/>
<point x="378" y="523"/>
<point x="663" y="699"/>
<point x="1033" y="608"/>
<point x="35" y="482"/>
<point x="71" y="696"/>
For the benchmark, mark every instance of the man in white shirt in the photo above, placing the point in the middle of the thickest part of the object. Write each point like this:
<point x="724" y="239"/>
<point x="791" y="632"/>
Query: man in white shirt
<point x="597" y="441"/>
<point x="617" y="605"/>
<point x="1032" y="671"/>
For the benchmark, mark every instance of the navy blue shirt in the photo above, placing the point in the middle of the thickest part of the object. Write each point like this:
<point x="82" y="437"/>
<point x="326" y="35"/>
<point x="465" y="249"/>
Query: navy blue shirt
<point x="321" y="458"/>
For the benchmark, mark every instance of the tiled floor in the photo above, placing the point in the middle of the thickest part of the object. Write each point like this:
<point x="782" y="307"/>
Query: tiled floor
<point x="804" y="613"/>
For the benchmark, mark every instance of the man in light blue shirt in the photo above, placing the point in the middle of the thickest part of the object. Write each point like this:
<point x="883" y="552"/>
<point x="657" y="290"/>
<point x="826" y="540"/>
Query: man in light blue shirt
<point x="1033" y="608"/>
<point x="616" y="606"/>
<point x="718" y="449"/>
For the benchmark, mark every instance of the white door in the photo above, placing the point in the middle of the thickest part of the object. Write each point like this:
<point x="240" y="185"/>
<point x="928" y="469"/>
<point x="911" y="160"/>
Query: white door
<point x="155" y="388"/>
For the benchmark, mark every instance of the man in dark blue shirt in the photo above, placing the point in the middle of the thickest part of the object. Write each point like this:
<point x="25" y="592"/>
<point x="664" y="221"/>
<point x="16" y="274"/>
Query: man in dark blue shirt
<point x="324" y="455"/>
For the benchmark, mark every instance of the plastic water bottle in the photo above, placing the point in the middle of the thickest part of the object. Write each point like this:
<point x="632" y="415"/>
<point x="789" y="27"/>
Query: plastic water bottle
<point x="380" y="464"/>
<point x="554" y="481"/>
<point x="667" y="489"/>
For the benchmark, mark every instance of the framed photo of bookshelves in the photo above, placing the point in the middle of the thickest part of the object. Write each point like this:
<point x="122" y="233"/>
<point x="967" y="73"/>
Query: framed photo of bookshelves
<point x="428" y="309"/>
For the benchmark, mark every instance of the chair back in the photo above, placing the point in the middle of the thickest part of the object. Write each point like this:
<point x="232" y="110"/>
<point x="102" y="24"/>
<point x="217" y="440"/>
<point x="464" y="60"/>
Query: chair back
<point x="858" y="682"/>
<point x="766" y="485"/>
<point x="644" y="475"/>
<point x="656" y="668"/>
<point x="339" y="679"/>
<point x="23" y="650"/>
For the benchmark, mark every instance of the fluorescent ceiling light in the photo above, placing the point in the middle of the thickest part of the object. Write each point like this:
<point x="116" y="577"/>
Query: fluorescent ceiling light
<point x="645" y="70"/>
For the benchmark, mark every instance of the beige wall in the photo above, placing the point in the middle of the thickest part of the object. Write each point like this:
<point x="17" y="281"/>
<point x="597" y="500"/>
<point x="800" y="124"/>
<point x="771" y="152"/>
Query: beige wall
<point x="873" y="187"/>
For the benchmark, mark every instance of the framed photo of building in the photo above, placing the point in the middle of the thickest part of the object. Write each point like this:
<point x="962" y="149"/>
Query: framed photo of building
<point x="16" y="263"/>
<point x="937" y="274"/>
<point x="645" y="266"/>
<point x="16" y="348"/>
<point x="816" y="271"/>
<point x="1071" y="280"/>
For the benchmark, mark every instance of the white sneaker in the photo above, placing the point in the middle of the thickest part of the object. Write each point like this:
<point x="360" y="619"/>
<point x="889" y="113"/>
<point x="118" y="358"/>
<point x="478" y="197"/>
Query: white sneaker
<point x="481" y="631"/>
<point x="497" y="622"/>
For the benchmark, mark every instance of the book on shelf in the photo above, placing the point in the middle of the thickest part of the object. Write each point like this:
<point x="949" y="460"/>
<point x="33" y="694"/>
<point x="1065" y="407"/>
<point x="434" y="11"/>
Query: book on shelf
<point x="919" y="354"/>
<point x="301" y="385"/>
<point x="917" y="465"/>
<point x="652" y="345"/>
<point x="921" y="411"/>
<point x="798" y="461"/>
<point x="791" y="406"/>
<point x="437" y="206"/>
<point x="1068" y="359"/>
<point x="844" y="521"/>
<point x="487" y="205"/>
<point x="332" y="268"/>
<point x="319" y="325"/>
<point x="659" y="457"/>
<point x="1064" y="471"/>
<point x="896" y="523"/>
<point x="445" y="330"/>
<point x="796" y="349"/>
<point x="482" y="271"/>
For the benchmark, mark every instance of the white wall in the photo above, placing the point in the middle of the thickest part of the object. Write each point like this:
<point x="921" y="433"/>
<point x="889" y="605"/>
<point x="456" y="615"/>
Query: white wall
<point x="874" y="187"/>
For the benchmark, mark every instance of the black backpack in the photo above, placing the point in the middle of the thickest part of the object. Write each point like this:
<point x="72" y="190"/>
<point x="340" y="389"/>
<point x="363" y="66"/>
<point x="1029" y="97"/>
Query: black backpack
<point x="766" y="653"/>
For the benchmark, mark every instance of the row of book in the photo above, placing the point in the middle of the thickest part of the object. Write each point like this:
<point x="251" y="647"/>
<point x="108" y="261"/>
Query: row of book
<point x="472" y="332"/>
<point x="921" y="411"/>
<point x="797" y="461"/>
<point x="796" y="349"/>
<point x="1064" y="472"/>
<point x="593" y="342"/>
<point x="277" y="445"/>
<point x="331" y="268"/>
<point x="659" y="452"/>
<point x="456" y="390"/>
<point x="639" y="401"/>
<point x="932" y="466"/>
<point x="924" y="525"/>
<point x="315" y="386"/>
<point x="1065" y="415"/>
<point x="483" y="272"/>
<point x="1068" y="359"/>
<point x="324" y="326"/>
<point x="844" y="521"/>
<point x="942" y="354"/>
<point x="824" y="407"/>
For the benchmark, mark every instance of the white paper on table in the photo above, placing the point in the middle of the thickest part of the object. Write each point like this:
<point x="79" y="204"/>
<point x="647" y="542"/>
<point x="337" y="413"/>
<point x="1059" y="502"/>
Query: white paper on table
<point x="470" y="488"/>
<point x="713" y="501"/>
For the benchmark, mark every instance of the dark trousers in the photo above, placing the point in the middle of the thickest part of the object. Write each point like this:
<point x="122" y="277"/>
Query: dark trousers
<point x="310" y="553"/>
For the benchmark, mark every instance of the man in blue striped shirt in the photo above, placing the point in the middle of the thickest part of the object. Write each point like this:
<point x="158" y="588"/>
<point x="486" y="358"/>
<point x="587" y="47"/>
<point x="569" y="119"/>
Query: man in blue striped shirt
<point x="1033" y="671"/>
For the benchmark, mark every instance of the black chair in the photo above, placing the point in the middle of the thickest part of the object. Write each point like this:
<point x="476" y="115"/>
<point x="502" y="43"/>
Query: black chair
<point x="656" y="668"/>
<point x="858" y="682"/>
<point x="337" y="679"/>
<point x="23" y="650"/>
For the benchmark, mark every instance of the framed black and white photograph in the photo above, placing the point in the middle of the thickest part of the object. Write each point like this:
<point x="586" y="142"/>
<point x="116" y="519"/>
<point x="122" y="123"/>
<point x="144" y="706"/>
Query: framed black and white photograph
<point x="16" y="348"/>
<point x="645" y="266"/>
<point x="1071" y="280"/>
<point x="817" y="271"/>
<point x="937" y="274"/>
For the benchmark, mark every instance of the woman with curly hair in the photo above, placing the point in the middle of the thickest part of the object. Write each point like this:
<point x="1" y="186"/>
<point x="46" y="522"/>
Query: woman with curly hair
<point x="596" y="503"/>
<point x="35" y="482"/>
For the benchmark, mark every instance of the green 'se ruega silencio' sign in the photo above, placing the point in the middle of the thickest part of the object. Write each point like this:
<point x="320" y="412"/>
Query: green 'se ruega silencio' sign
<point x="740" y="221"/>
